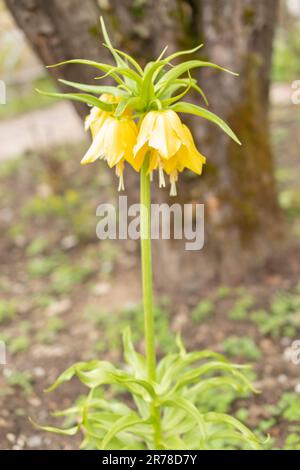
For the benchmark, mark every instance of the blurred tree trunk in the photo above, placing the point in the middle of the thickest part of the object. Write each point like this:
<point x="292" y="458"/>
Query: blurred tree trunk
<point x="61" y="30"/>
<point x="238" y="188"/>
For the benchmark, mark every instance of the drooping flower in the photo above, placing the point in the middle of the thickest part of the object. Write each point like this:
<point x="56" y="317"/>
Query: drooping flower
<point x="113" y="142"/>
<point x="153" y="95"/>
<point x="96" y="117"/>
<point x="170" y="145"/>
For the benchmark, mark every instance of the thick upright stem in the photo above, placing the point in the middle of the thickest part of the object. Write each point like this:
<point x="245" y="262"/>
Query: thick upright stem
<point x="147" y="271"/>
<point x="145" y="201"/>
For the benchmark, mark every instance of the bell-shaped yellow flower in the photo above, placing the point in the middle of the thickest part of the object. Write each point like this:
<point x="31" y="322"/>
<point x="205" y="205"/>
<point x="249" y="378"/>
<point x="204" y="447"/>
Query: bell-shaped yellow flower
<point x="170" y="145"/>
<point x="97" y="116"/>
<point x="113" y="142"/>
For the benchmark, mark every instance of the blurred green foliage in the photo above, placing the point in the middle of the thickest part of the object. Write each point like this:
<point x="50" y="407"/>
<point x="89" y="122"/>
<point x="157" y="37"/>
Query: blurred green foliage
<point x="202" y="311"/>
<point x="286" y="66"/>
<point x="22" y="99"/>
<point x="241" y="346"/>
<point x="283" y="317"/>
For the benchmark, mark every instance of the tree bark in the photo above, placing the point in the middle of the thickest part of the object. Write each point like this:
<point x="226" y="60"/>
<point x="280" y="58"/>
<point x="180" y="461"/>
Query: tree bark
<point x="238" y="187"/>
<point x="61" y="30"/>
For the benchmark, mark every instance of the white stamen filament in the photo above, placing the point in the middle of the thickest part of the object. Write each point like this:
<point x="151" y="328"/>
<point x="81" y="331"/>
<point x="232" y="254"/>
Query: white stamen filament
<point x="121" y="183"/>
<point x="173" y="190"/>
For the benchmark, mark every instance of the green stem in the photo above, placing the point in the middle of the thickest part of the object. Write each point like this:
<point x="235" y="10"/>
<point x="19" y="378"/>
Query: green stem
<point x="145" y="200"/>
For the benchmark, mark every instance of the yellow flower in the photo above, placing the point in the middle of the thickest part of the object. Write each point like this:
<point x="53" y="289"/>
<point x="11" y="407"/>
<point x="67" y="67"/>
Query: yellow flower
<point x="113" y="142"/>
<point x="170" y="145"/>
<point x="97" y="116"/>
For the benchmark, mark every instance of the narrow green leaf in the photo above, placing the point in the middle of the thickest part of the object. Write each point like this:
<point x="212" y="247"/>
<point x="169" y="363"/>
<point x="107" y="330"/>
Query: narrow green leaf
<point x="125" y="72"/>
<point x="189" y="108"/>
<point x="134" y="359"/>
<point x="100" y="66"/>
<point x="189" y="377"/>
<point x="91" y="63"/>
<point x="151" y="70"/>
<point x="81" y="97"/>
<point x="231" y="436"/>
<point x="65" y="376"/>
<point x="231" y="421"/>
<point x="177" y="401"/>
<point x="123" y="423"/>
<point x="162" y="54"/>
<point x="135" y="103"/>
<point x="64" y="432"/>
<point x="98" y="90"/>
<point x="180" y="69"/>
<point x="186" y="52"/>
<point x="119" y="61"/>
<point x="129" y="59"/>
<point x="173" y="99"/>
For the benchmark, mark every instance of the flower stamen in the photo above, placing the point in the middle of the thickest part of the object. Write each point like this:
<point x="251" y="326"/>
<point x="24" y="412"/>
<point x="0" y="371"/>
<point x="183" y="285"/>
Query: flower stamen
<point x="173" y="179"/>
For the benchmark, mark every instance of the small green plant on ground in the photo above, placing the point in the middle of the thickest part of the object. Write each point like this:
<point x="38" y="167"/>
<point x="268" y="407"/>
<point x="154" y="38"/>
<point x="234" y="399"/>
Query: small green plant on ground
<point x="292" y="442"/>
<point x="20" y="379"/>
<point x="288" y="407"/>
<point x="283" y="318"/>
<point x="241" y="308"/>
<point x="223" y="292"/>
<point x="8" y="309"/>
<point x="202" y="311"/>
<point x="48" y="333"/>
<point x="244" y="347"/>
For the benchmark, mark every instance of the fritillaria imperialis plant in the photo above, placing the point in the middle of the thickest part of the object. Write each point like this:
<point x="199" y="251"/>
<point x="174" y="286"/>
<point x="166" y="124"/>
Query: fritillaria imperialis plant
<point x="154" y="405"/>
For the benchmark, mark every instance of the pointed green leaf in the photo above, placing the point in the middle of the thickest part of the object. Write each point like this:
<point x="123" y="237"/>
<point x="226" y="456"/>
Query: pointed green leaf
<point x="134" y="359"/>
<point x="65" y="376"/>
<point x="64" y="432"/>
<point x="173" y="99"/>
<point x="186" y="52"/>
<point x="233" y="422"/>
<point x="129" y="59"/>
<point x="180" y="69"/>
<point x="98" y="90"/>
<point x="81" y="97"/>
<point x="134" y="103"/>
<point x="123" y="423"/>
<point x="119" y="61"/>
<point x="177" y="401"/>
<point x="150" y="72"/>
<point x="100" y="66"/>
<point x="189" y="108"/>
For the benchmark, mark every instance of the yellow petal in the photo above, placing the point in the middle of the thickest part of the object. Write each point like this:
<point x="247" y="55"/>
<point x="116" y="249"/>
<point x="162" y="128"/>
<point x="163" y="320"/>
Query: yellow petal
<point x="163" y="137"/>
<point x="95" y="150"/>
<point x="145" y="131"/>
